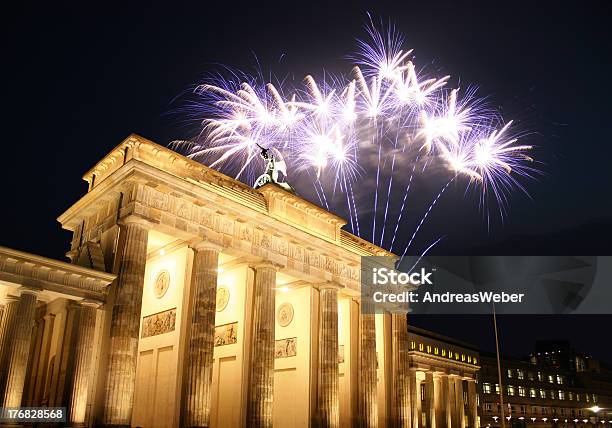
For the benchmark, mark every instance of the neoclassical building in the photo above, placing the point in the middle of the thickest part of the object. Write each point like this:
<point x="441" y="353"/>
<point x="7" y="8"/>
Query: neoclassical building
<point x="191" y="299"/>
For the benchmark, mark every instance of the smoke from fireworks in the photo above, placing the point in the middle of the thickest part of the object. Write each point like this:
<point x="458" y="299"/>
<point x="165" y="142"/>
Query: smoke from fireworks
<point x="373" y="130"/>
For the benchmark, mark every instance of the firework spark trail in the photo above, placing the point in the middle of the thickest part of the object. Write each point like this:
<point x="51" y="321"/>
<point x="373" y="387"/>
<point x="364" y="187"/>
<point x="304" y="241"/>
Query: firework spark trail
<point x="401" y="212"/>
<point x="423" y="254"/>
<point x="328" y="131"/>
<point x="376" y="193"/>
<point x="382" y="234"/>
<point x="352" y="195"/>
<point x="431" y="206"/>
<point x="348" y="203"/>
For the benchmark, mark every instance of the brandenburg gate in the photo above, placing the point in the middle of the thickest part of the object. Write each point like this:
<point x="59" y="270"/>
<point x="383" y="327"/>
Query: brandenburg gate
<point x="194" y="300"/>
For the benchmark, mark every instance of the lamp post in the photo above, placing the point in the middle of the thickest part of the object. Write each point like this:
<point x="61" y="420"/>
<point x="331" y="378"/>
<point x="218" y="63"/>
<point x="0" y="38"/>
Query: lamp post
<point x="499" y="374"/>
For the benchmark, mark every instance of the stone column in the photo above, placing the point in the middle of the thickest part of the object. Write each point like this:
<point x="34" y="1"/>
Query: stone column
<point x="6" y="328"/>
<point x="439" y="401"/>
<point x="16" y="337"/>
<point x="328" y="404"/>
<point x="200" y="348"/>
<point x="368" y="397"/>
<point x="459" y="404"/>
<point x="472" y="404"/>
<point x="415" y="398"/>
<point x="261" y="382"/>
<point x="80" y="374"/>
<point x="401" y="384"/>
<point x="449" y="403"/>
<point x="430" y="399"/>
<point x="125" y="324"/>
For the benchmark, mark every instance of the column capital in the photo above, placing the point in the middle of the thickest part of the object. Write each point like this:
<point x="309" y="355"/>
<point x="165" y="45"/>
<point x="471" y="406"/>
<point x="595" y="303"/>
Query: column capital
<point x="29" y="289"/>
<point x="10" y="299"/>
<point x="90" y="303"/>
<point x="328" y="285"/>
<point x="202" y="245"/>
<point x="265" y="264"/>
<point x="136" y="219"/>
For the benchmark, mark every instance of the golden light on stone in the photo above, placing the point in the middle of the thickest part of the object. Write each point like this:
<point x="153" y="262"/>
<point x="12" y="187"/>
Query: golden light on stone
<point x="223" y="296"/>
<point x="188" y="332"/>
<point x="284" y="314"/>
<point x="162" y="282"/>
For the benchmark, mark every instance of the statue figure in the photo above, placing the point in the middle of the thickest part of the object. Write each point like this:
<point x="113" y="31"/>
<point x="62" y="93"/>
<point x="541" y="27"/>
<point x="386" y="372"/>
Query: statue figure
<point x="274" y="165"/>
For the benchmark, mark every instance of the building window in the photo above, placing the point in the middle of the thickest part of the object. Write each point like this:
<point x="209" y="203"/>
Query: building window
<point x="412" y="344"/>
<point x="497" y="388"/>
<point x="488" y="407"/>
<point x="552" y="395"/>
<point x="524" y="410"/>
<point x="421" y="347"/>
<point x="422" y="392"/>
<point x="486" y="388"/>
<point x="551" y="379"/>
<point x="429" y="349"/>
<point x="444" y="352"/>
<point x="530" y="376"/>
<point x="586" y="396"/>
<point x="540" y="376"/>
<point x="532" y="393"/>
<point x="594" y="398"/>
<point x="544" y="410"/>
<point x="520" y="374"/>
<point x="560" y="379"/>
<point x="510" y="389"/>
<point x="577" y="397"/>
<point x="469" y="358"/>
<point x="562" y="412"/>
<point x="521" y="391"/>
<point x="542" y="393"/>
<point x="534" y="410"/>
<point x="509" y="373"/>
<point x="450" y="354"/>
<point x="436" y="350"/>
<point x="579" y="412"/>
<point x="570" y="395"/>
<point x="475" y="360"/>
<point x="561" y="394"/>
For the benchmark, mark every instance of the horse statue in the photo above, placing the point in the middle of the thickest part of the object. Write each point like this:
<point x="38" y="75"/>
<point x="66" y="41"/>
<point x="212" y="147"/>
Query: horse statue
<point x="274" y="165"/>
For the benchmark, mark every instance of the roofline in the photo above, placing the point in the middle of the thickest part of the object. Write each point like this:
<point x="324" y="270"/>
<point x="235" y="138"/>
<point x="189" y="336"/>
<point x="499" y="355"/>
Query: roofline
<point x="56" y="264"/>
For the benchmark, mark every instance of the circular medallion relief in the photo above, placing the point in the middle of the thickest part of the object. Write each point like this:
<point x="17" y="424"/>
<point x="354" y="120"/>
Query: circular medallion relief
<point x="223" y="296"/>
<point x="161" y="284"/>
<point x="284" y="314"/>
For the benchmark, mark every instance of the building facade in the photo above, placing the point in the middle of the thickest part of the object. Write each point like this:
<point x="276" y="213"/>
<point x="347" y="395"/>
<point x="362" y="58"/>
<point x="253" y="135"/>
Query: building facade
<point x="554" y="387"/>
<point x="194" y="300"/>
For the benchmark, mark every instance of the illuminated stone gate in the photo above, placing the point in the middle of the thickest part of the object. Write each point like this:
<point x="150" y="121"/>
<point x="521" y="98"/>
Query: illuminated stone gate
<point x="229" y="307"/>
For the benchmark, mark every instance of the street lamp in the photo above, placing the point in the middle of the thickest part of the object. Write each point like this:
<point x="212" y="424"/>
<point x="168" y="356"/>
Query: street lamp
<point x="595" y="409"/>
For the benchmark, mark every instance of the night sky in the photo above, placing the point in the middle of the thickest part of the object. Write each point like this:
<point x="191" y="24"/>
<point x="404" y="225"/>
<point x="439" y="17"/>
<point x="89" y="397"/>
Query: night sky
<point x="78" y="79"/>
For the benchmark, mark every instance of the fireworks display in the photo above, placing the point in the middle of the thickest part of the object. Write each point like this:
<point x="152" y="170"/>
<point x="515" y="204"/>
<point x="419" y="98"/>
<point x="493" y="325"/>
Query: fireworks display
<point x="359" y="140"/>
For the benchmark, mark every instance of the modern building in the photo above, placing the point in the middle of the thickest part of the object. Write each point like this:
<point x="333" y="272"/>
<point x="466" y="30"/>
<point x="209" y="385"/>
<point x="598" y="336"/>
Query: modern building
<point x="192" y="300"/>
<point x="554" y="387"/>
